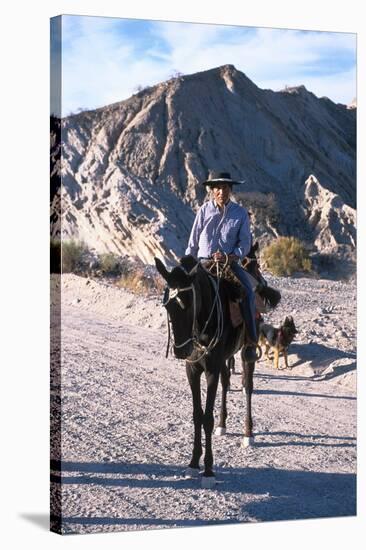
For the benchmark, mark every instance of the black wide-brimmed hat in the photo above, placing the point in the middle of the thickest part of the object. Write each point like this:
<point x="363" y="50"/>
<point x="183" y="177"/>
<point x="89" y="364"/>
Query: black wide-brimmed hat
<point x="220" y="177"/>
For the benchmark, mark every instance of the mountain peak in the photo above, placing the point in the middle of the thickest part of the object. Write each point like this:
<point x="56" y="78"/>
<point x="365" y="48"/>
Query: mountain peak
<point x="295" y="90"/>
<point x="231" y="69"/>
<point x="353" y="104"/>
<point x="132" y="171"/>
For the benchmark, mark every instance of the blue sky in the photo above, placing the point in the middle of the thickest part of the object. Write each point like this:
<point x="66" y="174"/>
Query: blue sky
<point x="104" y="60"/>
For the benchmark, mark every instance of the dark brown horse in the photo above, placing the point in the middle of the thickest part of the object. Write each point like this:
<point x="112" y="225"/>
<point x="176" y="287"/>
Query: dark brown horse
<point x="204" y="336"/>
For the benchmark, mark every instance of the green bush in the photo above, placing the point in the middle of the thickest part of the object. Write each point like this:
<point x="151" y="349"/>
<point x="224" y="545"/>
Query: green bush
<point x="109" y="264"/>
<point x="73" y="256"/>
<point x="286" y="255"/>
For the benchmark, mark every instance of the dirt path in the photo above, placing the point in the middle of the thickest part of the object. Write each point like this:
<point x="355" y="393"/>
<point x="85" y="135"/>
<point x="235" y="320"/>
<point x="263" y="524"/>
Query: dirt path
<point x="127" y="435"/>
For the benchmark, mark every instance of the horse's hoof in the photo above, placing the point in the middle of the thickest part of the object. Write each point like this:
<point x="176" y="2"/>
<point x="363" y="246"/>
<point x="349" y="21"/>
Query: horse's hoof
<point x="220" y="430"/>
<point x="247" y="442"/>
<point x="191" y="473"/>
<point x="208" y="482"/>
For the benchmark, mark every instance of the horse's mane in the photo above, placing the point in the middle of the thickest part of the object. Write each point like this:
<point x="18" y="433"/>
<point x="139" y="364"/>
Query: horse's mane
<point x="188" y="263"/>
<point x="230" y="286"/>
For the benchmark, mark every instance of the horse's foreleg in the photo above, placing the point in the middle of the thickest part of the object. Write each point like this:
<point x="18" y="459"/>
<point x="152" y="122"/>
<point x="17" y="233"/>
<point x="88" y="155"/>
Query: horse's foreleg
<point x="225" y="383"/>
<point x="194" y="379"/>
<point x="267" y="352"/>
<point x="231" y="364"/>
<point x="248" y="371"/>
<point x="208" y="424"/>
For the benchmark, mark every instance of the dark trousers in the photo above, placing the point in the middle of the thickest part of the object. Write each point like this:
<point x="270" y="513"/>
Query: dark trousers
<point x="248" y="306"/>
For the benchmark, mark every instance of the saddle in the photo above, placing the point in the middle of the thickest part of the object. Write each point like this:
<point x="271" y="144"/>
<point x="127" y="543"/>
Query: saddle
<point x="266" y="298"/>
<point x="233" y="287"/>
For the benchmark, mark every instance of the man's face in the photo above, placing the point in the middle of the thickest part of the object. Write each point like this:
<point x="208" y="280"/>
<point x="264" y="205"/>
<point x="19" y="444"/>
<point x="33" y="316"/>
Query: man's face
<point x="221" y="193"/>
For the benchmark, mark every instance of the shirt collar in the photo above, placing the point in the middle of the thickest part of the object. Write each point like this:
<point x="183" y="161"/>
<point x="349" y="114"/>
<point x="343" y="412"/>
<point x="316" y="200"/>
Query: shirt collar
<point x="217" y="206"/>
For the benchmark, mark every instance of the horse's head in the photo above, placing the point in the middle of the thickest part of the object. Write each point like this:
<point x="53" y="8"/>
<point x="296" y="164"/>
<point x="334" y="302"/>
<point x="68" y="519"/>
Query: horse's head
<point x="182" y="303"/>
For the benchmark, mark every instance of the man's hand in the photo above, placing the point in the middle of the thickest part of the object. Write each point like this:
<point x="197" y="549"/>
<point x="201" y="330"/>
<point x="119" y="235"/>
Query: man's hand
<point x="220" y="257"/>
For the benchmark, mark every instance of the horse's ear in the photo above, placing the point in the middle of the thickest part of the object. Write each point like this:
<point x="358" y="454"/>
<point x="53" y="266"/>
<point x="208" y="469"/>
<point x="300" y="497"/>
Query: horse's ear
<point x="162" y="269"/>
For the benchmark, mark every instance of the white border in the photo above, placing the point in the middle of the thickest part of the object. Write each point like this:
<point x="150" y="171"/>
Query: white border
<point x="24" y="272"/>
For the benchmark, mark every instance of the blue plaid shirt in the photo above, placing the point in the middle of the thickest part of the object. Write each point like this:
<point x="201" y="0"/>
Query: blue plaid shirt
<point x="226" y="230"/>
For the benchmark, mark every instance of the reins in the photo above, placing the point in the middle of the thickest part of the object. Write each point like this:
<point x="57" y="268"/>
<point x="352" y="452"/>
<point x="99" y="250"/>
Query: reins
<point x="168" y="343"/>
<point x="173" y="294"/>
<point x="196" y="334"/>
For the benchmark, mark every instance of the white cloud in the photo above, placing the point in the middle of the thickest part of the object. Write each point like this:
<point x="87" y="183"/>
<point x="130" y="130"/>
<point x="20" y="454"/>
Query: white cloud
<point x="321" y="86"/>
<point x="100" y="65"/>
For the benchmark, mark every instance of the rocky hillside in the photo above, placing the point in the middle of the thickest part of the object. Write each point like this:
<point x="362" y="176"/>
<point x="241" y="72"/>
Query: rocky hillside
<point x="131" y="171"/>
<point x="333" y="222"/>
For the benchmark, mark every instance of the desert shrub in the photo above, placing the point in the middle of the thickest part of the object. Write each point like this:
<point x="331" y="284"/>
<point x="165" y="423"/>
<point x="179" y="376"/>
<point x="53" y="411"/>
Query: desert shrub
<point x="286" y="255"/>
<point x="73" y="256"/>
<point x="109" y="264"/>
<point x="141" y="279"/>
<point x="134" y="282"/>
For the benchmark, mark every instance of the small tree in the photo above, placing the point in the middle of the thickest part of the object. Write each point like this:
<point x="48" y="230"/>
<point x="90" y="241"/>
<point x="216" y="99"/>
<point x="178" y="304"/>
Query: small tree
<point x="286" y="255"/>
<point x="176" y="74"/>
<point x="139" y="88"/>
<point x="109" y="264"/>
<point x="72" y="256"/>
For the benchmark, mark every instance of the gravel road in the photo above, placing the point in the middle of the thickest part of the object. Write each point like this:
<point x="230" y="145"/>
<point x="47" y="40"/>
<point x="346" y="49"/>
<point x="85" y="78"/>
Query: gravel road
<point x="127" y="427"/>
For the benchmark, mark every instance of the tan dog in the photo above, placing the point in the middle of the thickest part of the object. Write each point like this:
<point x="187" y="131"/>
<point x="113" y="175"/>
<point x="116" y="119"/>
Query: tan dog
<point x="277" y="339"/>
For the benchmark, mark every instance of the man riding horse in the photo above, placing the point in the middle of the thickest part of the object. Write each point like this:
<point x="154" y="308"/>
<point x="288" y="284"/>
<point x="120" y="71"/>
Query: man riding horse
<point x="199" y="310"/>
<point x="221" y="230"/>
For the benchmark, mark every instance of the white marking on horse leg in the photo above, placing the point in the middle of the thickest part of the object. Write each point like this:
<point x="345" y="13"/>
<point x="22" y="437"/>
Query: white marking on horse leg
<point x="220" y="430"/>
<point x="191" y="473"/>
<point x="208" y="482"/>
<point x="247" y="441"/>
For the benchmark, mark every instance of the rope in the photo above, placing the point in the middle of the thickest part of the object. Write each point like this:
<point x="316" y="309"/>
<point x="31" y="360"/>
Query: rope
<point x="220" y="325"/>
<point x="167" y="347"/>
<point x="195" y="334"/>
<point x="220" y="321"/>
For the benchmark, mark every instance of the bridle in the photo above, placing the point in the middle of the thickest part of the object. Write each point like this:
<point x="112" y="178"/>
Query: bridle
<point x="173" y="294"/>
